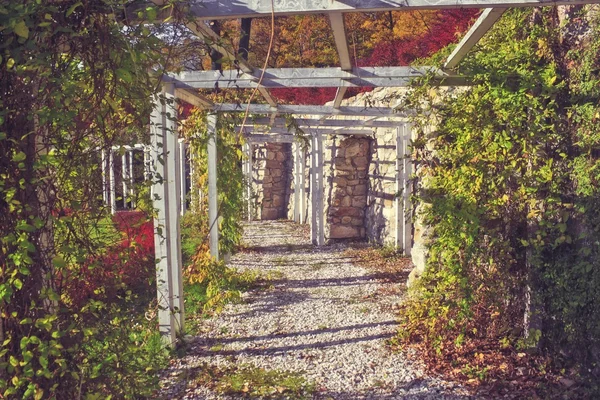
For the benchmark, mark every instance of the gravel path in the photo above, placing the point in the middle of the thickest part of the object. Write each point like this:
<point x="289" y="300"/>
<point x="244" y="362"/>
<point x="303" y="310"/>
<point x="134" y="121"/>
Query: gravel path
<point x="322" y="316"/>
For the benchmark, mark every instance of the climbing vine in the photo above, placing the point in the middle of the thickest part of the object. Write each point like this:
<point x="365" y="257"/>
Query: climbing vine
<point x="507" y="170"/>
<point x="74" y="80"/>
<point x="222" y="283"/>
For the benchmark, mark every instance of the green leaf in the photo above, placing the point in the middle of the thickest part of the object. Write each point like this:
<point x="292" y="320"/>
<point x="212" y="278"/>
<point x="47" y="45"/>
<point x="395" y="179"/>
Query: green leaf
<point x="21" y="29"/>
<point x="72" y="8"/>
<point x="124" y="75"/>
<point x="59" y="262"/>
<point x="18" y="157"/>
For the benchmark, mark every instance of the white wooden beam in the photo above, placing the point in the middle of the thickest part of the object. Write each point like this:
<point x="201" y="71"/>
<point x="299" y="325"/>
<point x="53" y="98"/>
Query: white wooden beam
<point x="316" y="130"/>
<point x="270" y="138"/>
<point x="312" y="77"/>
<point x="213" y="212"/>
<point x="314" y="110"/>
<point x="193" y="98"/>
<point x="226" y="9"/>
<point x="483" y="24"/>
<point x="336" y="19"/>
<point x="317" y="123"/>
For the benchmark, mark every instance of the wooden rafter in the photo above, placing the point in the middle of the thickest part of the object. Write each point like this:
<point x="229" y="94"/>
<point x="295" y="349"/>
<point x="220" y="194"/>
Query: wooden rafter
<point x="226" y="9"/>
<point x="483" y="24"/>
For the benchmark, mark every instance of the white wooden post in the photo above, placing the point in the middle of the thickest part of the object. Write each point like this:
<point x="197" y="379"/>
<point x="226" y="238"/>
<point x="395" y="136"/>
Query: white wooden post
<point x="132" y="177"/>
<point x="111" y="181"/>
<point x="406" y="190"/>
<point x="399" y="197"/>
<point x="302" y="214"/>
<point x="124" y="178"/>
<point x="181" y="168"/>
<point x="167" y="239"/>
<point x="296" y="182"/>
<point x="247" y="171"/>
<point x="316" y="191"/>
<point x="313" y="190"/>
<point x="213" y="213"/>
<point x="104" y="170"/>
<point x="320" y="189"/>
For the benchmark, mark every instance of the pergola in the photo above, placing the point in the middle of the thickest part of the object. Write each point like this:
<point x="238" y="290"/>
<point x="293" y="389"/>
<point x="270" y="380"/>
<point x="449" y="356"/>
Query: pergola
<point x="318" y="120"/>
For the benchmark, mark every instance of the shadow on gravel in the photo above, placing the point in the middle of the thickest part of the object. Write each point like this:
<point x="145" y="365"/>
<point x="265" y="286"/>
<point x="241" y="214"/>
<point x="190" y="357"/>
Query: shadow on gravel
<point x="274" y="301"/>
<point x="285" y="349"/>
<point x="348" y="281"/>
<point x="306" y="333"/>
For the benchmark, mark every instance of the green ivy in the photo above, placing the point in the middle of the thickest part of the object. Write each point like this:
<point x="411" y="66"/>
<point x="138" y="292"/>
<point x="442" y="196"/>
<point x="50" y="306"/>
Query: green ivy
<point x="508" y="176"/>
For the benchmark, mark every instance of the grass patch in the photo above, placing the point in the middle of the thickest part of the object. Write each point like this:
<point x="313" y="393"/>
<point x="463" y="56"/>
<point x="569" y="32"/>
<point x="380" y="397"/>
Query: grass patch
<point x="250" y="382"/>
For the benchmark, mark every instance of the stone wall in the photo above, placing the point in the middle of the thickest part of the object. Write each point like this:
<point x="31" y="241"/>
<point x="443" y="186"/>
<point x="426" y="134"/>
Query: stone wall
<point x="271" y="175"/>
<point x="346" y="186"/>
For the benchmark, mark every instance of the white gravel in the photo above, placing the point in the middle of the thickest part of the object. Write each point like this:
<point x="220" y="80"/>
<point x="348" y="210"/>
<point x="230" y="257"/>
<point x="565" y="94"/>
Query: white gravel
<point x="323" y="317"/>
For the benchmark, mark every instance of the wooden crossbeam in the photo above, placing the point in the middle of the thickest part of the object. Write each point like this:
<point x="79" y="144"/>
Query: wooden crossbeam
<point x="336" y="19"/>
<point x="316" y="130"/>
<point x="483" y="24"/>
<point x="315" y="77"/>
<point x="211" y="38"/>
<point x="308" y="122"/>
<point x="312" y="110"/>
<point x="226" y="9"/>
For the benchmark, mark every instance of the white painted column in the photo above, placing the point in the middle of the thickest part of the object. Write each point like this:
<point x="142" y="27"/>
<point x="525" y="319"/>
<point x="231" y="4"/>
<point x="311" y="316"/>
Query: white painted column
<point x="302" y="180"/>
<point x="406" y="190"/>
<point x="124" y="178"/>
<point x="399" y="187"/>
<point x="320" y="190"/>
<point x="296" y="175"/>
<point x="167" y="238"/>
<point x="181" y="168"/>
<point x="131" y="176"/>
<point x="313" y="191"/>
<point x="247" y="172"/>
<point x="104" y="170"/>
<point x="111" y="181"/>
<point x="213" y="213"/>
<point x="316" y="191"/>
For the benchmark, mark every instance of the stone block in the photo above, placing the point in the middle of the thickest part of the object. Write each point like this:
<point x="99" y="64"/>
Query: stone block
<point x="343" y="232"/>
<point x="346" y="201"/>
<point x="360" y="190"/>
<point x="359" y="202"/>
<point x="270" y="213"/>
<point x="357" y="221"/>
<point x="346" y="220"/>
<point x="353" y="148"/>
<point x="360" y="161"/>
